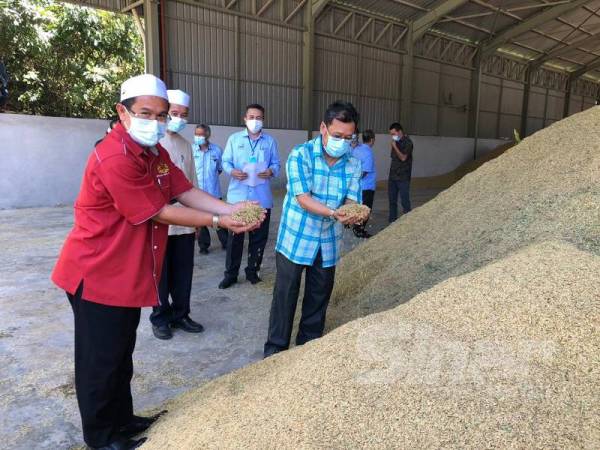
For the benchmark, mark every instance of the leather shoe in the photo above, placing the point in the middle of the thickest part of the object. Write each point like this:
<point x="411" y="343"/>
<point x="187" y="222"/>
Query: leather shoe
<point x="138" y="425"/>
<point x="122" y="445"/>
<point x="187" y="324"/>
<point x="204" y="251"/>
<point x="227" y="282"/>
<point x="162" y="332"/>
<point x="253" y="278"/>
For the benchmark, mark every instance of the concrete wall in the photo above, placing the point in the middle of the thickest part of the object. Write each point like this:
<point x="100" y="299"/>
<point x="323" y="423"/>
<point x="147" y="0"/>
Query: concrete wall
<point x="43" y="157"/>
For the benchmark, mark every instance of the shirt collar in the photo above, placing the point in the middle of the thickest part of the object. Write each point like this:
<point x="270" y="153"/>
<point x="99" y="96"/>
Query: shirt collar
<point x="120" y="134"/>
<point x="246" y="134"/>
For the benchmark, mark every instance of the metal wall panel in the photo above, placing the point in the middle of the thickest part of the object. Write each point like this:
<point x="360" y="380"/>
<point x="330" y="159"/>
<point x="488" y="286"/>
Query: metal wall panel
<point x="366" y="76"/>
<point x="226" y="62"/>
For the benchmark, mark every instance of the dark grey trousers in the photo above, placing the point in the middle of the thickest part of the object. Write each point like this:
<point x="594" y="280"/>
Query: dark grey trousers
<point x="317" y="291"/>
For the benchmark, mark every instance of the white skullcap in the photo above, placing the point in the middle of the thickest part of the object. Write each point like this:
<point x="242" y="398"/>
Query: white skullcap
<point x="143" y="85"/>
<point x="177" y="97"/>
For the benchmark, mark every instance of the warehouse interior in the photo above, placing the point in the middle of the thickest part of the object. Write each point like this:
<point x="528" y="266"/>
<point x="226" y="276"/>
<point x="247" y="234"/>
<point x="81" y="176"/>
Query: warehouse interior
<point x="468" y="79"/>
<point x="469" y="68"/>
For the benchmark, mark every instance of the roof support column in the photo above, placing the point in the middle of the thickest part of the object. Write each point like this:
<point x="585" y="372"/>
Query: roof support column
<point x="308" y="70"/>
<point x="567" y="98"/>
<point x="152" y="38"/>
<point x="474" y="102"/>
<point x="408" y="64"/>
<point x="525" y="105"/>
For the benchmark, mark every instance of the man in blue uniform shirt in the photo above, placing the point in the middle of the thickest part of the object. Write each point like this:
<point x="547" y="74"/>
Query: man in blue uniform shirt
<point x="322" y="176"/>
<point x="364" y="153"/>
<point x="207" y="159"/>
<point x="251" y="159"/>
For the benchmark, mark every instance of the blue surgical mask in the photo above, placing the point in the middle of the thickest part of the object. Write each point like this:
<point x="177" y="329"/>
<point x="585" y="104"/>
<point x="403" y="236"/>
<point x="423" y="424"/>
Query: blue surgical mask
<point x="396" y="138"/>
<point x="337" y="147"/>
<point x="199" y="140"/>
<point x="176" y="124"/>
<point x="146" y="132"/>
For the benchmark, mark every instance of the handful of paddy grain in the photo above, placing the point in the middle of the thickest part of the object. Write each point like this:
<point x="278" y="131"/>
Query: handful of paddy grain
<point x="249" y="214"/>
<point x="355" y="211"/>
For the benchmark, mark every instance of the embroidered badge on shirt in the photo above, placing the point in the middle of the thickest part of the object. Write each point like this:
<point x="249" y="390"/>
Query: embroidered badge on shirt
<point x="162" y="169"/>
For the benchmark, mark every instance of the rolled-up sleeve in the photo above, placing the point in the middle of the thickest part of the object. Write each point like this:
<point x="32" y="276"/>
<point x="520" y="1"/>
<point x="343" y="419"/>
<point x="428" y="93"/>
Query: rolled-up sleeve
<point x="133" y="190"/>
<point x="299" y="172"/>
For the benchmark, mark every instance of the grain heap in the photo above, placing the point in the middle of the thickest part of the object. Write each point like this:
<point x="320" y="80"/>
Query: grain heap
<point x="249" y="214"/>
<point x="355" y="210"/>
<point x="547" y="187"/>
<point x="501" y="351"/>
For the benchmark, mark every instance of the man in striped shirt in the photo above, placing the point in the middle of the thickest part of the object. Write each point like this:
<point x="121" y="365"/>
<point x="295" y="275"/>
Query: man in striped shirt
<point x="322" y="176"/>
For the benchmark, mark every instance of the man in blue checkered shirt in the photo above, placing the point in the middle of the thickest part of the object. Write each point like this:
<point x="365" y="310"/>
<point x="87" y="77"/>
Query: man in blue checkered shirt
<point x="322" y="176"/>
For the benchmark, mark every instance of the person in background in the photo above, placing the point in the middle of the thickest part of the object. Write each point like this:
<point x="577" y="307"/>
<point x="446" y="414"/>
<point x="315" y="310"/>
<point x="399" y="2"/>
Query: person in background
<point x="400" y="171"/>
<point x="322" y="176"/>
<point x="111" y="261"/>
<point x="207" y="159"/>
<point x="364" y="153"/>
<point x="178" y="265"/>
<point x="244" y="149"/>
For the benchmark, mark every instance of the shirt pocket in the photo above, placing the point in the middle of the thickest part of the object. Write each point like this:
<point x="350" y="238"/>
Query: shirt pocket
<point x="164" y="182"/>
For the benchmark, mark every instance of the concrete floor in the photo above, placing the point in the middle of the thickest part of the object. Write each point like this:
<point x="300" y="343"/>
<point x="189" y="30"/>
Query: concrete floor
<point x="38" y="408"/>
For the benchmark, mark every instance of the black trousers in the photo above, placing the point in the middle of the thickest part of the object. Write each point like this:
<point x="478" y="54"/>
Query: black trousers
<point x="204" y="237"/>
<point x="257" y="241"/>
<point x="317" y="291"/>
<point x="104" y="344"/>
<point x="395" y="188"/>
<point x="367" y="199"/>
<point x="176" y="280"/>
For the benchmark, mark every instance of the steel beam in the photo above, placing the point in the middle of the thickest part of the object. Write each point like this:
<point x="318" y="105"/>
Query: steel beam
<point x="527" y="25"/>
<point x="318" y="6"/>
<point x="407" y="81"/>
<point x="566" y="49"/>
<point x="525" y="105"/>
<point x="308" y="71"/>
<point x="595" y="64"/>
<point x="427" y="20"/>
<point x="152" y="39"/>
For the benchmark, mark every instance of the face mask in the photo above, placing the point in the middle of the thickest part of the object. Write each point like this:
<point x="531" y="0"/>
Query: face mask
<point x="396" y="138"/>
<point x="176" y="124"/>
<point x="254" y="125"/>
<point x="337" y="147"/>
<point x="199" y="140"/>
<point x="146" y="132"/>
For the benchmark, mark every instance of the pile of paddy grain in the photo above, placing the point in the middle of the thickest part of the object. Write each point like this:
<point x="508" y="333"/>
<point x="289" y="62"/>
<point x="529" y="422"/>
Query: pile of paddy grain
<point x="498" y="347"/>
<point x="547" y="187"/>
<point x="503" y="357"/>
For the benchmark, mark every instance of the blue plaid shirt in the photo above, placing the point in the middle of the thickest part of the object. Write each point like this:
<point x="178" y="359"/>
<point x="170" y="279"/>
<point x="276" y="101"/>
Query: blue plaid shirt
<point x="301" y="233"/>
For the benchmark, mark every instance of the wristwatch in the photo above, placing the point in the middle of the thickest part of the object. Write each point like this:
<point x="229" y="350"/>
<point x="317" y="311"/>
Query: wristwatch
<point x="215" y="223"/>
<point x="332" y="214"/>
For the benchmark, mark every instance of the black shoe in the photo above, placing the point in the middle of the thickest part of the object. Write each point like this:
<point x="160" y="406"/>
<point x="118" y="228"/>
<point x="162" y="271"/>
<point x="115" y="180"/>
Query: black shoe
<point x="187" y="324"/>
<point x="138" y="425"/>
<point x="122" y="445"/>
<point x="253" y="278"/>
<point x="204" y="251"/>
<point x="227" y="282"/>
<point x="162" y="332"/>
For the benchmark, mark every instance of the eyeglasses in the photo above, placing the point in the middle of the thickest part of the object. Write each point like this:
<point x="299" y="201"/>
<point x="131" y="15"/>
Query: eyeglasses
<point x="348" y="139"/>
<point x="162" y="118"/>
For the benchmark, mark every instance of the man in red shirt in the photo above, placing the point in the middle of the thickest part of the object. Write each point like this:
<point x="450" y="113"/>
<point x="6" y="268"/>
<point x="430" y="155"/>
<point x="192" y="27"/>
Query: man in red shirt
<point x="111" y="262"/>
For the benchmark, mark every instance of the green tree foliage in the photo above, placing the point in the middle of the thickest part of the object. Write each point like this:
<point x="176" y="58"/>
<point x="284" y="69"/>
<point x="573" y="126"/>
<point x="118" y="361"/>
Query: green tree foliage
<point x="66" y="60"/>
